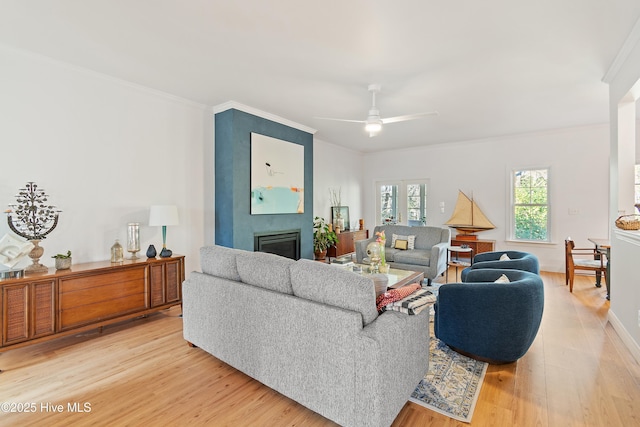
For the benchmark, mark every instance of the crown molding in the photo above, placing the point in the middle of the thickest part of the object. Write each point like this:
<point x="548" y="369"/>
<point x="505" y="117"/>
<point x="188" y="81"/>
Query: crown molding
<point x="632" y="39"/>
<point x="256" y="112"/>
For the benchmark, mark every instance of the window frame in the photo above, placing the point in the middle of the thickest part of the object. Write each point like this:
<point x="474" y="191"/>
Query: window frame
<point x="511" y="214"/>
<point x="402" y="209"/>
<point x="379" y="184"/>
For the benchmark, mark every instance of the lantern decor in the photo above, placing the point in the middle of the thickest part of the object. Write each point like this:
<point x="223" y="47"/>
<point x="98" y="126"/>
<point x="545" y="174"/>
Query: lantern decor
<point x="32" y="218"/>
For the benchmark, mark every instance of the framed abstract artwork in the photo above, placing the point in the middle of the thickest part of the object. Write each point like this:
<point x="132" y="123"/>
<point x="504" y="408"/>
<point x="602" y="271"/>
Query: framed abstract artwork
<point x="277" y="176"/>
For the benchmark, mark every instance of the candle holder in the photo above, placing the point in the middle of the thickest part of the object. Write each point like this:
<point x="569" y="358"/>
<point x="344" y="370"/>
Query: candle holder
<point x="33" y="220"/>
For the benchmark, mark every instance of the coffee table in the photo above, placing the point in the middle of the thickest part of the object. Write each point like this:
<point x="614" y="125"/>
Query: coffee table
<point x="397" y="278"/>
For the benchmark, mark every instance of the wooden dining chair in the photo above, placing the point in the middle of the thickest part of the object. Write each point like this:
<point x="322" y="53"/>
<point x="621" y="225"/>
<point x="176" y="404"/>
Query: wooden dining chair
<point x="582" y="259"/>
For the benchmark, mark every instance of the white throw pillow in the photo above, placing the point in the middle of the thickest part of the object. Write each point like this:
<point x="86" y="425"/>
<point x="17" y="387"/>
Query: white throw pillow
<point x="504" y="257"/>
<point x="502" y="279"/>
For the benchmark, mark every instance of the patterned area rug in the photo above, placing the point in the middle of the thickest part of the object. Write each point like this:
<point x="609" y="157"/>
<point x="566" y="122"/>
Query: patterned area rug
<point x="452" y="384"/>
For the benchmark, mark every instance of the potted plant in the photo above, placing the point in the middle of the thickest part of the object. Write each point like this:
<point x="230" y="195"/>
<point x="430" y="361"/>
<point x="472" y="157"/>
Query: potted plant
<point x="63" y="261"/>
<point x="323" y="238"/>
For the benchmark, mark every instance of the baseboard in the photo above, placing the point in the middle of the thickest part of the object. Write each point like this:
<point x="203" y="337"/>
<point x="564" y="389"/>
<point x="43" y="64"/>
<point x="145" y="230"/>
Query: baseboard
<point x="627" y="339"/>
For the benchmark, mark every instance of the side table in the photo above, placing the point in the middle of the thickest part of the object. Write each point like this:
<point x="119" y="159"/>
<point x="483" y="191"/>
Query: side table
<point x="451" y="262"/>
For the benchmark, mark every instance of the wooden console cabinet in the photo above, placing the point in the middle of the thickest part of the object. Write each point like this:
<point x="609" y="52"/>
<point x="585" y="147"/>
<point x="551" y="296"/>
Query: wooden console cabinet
<point x="38" y="307"/>
<point x="347" y="242"/>
<point x="478" y="246"/>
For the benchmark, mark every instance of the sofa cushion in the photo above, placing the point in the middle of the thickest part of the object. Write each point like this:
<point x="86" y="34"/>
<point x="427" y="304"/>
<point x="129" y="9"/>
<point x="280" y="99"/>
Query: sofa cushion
<point x="326" y="284"/>
<point x="416" y="256"/>
<point x="390" y="254"/>
<point x="265" y="270"/>
<point x="220" y="261"/>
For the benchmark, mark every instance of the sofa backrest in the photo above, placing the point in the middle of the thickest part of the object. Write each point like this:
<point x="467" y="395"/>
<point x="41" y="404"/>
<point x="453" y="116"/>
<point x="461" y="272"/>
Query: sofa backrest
<point x="265" y="270"/>
<point x="518" y="260"/>
<point x="334" y="286"/>
<point x="426" y="236"/>
<point x="220" y="261"/>
<point x="259" y="269"/>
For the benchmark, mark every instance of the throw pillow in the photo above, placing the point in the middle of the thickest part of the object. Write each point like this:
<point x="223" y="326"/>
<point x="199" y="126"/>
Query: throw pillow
<point x="403" y="245"/>
<point x="502" y="279"/>
<point x="504" y="257"/>
<point x="410" y="239"/>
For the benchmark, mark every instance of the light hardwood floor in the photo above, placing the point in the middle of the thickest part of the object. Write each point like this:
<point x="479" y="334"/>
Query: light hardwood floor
<point x="577" y="373"/>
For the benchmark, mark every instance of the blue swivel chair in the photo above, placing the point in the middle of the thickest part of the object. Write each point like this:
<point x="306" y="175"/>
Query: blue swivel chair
<point x="492" y="322"/>
<point x="524" y="261"/>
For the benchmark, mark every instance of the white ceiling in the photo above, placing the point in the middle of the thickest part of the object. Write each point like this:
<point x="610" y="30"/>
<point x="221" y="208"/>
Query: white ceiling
<point x="491" y="68"/>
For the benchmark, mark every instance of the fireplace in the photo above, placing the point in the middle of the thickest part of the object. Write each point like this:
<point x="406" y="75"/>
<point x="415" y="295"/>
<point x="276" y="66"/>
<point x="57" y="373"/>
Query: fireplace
<point x="283" y="243"/>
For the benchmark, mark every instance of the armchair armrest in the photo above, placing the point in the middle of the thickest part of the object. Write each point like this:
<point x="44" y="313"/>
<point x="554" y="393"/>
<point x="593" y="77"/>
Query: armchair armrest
<point x="439" y="257"/>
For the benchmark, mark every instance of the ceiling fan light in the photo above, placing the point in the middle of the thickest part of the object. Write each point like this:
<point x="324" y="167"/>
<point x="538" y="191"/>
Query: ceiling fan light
<point x="373" y="127"/>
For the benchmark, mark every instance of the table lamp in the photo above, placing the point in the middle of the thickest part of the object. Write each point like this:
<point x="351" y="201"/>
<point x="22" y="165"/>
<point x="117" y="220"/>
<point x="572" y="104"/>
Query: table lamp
<point x="12" y="251"/>
<point x="163" y="215"/>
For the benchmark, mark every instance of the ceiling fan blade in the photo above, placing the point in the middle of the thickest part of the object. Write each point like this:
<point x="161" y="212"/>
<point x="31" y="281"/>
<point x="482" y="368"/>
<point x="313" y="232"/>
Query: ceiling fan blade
<point x="340" y="120"/>
<point x="408" y="117"/>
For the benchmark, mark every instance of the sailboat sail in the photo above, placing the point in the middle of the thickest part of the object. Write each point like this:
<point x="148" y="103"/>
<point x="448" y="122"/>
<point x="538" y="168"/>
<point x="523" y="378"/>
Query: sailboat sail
<point x="467" y="216"/>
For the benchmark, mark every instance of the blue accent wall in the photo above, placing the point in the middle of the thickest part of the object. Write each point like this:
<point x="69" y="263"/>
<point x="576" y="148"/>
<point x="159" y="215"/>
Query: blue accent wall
<point x="234" y="225"/>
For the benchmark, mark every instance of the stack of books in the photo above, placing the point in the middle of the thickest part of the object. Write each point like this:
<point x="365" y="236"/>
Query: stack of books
<point x="344" y="262"/>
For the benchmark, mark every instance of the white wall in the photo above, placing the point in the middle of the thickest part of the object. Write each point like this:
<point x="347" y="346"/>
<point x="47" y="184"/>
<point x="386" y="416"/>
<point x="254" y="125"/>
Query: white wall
<point x="104" y="150"/>
<point x="578" y="159"/>
<point x="624" y="85"/>
<point x="338" y="168"/>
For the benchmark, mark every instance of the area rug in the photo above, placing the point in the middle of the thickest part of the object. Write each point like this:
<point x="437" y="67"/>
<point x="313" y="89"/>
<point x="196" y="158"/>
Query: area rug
<point x="452" y="384"/>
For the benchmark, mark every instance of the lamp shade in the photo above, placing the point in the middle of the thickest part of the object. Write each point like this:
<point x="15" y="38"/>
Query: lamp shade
<point x="163" y="215"/>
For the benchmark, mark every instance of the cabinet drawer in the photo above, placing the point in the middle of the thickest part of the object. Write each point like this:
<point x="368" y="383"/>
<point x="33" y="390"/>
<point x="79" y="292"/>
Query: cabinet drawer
<point x="85" y="300"/>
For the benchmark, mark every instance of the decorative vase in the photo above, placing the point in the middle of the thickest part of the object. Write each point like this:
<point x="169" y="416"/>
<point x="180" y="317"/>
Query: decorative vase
<point x="63" y="263"/>
<point x="151" y="252"/>
<point x="133" y="239"/>
<point x="35" y="255"/>
<point x="384" y="268"/>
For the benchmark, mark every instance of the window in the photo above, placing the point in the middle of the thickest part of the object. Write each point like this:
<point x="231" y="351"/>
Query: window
<point x="388" y="203"/>
<point x="417" y="203"/>
<point x="530" y="205"/>
<point x="402" y="202"/>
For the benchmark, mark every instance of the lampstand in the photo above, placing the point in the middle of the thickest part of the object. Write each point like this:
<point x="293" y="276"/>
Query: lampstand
<point x="164" y="215"/>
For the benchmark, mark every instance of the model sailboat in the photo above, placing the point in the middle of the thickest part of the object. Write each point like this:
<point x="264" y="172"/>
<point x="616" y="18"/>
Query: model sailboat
<point x="467" y="217"/>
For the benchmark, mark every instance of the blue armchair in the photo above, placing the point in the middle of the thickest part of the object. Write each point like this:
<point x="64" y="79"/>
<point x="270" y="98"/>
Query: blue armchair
<point x="524" y="261"/>
<point x="492" y="322"/>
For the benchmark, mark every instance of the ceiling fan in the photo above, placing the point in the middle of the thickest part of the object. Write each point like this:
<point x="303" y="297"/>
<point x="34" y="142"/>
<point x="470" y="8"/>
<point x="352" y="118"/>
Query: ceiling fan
<point x="373" y="123"/>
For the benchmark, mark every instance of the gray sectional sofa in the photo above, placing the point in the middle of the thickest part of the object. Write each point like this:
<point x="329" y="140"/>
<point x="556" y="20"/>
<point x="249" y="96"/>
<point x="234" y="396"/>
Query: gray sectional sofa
<point x="429" y="254"/>
<point x="308" y="330"/>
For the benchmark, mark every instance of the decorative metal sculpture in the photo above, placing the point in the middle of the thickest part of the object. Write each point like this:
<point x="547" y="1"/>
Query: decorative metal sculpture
<point x="33" y="220"/>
